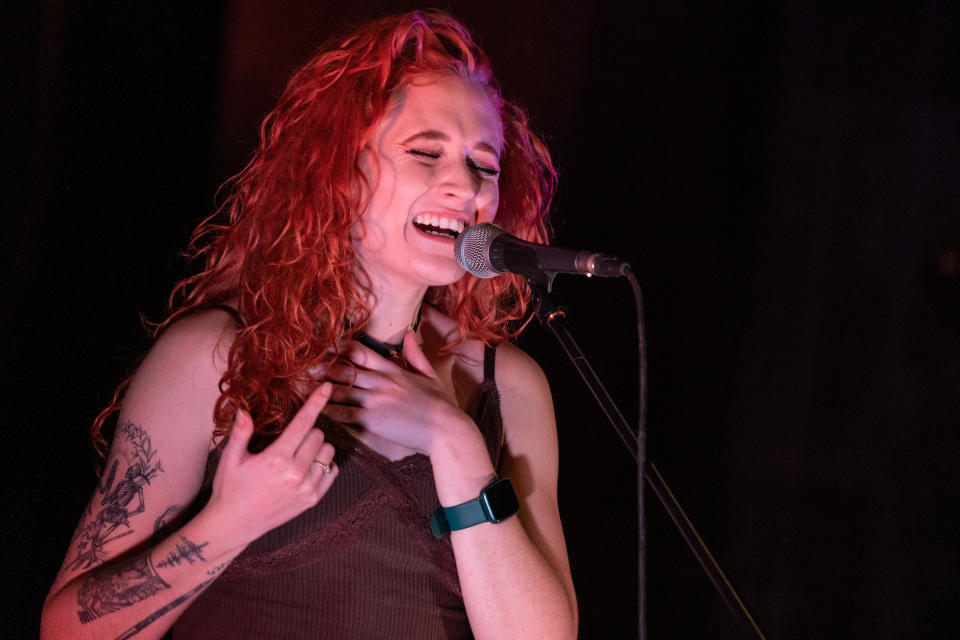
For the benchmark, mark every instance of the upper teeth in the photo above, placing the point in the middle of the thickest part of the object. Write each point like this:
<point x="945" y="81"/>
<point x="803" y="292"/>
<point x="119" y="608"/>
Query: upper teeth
<point x="440" y="222"/>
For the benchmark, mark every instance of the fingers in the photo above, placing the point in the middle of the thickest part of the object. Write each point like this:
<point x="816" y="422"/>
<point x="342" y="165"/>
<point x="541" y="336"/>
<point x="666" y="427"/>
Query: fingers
<point x="344" y="413"/>
<point x="346" y="394"/>
<point x="346" y="374"/>
<point x="324" y="470"/>
<point x="368" y="361"/>
<point x="304" y="420"/>
<point x="238" y="439"/>
<point x="415" y="356"/>
<point x="314" y="450"/>
<point x="309" y="447"/>
<point x="322" y="463"/>
<point x="365" y="357"/>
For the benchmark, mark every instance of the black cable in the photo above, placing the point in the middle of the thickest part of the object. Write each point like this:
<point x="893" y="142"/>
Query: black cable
<point x="646" y="470"/>
<point x="552" y="316"/>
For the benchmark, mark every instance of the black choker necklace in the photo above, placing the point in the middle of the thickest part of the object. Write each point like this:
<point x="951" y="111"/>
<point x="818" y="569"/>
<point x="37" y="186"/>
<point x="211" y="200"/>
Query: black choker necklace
<point x="392" y="352"/>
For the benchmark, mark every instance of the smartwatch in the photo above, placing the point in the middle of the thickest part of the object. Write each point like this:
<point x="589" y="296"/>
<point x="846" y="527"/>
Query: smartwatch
<point x="496" y="503"/>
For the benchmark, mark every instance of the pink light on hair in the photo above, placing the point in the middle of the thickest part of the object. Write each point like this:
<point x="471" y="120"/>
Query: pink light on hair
<point x="284" y="252"/>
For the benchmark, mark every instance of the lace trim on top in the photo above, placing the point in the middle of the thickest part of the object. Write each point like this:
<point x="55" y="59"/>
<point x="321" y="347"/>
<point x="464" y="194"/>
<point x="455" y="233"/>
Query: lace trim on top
<point x="391" y="483"/>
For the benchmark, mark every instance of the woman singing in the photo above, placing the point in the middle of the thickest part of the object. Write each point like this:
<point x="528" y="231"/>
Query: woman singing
<point x="331" y="436"/>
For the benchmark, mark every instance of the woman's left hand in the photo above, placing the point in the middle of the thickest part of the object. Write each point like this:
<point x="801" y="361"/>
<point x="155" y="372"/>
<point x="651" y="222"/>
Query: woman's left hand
<point x="411" y="408"/>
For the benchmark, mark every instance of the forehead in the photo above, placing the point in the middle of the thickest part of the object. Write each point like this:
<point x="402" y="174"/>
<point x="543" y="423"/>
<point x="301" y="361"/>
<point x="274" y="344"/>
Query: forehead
<point x="446" y="104"/>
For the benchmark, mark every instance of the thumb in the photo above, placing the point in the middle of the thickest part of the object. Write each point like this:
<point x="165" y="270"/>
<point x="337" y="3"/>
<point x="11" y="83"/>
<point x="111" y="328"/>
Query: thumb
<point x="414" y="355"/>
<point x="238" y="439"/>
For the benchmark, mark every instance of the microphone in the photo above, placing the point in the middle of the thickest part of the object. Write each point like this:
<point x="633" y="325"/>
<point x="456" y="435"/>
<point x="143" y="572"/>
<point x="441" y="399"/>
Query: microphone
<point x="486" y="250"/>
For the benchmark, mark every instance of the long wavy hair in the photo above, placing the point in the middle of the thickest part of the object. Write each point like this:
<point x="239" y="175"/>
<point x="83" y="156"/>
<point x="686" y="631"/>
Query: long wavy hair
<point x="284" y="253"/>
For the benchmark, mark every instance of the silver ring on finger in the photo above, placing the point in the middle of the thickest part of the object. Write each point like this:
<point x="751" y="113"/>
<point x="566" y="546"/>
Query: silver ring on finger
<point x="327" y="467"/>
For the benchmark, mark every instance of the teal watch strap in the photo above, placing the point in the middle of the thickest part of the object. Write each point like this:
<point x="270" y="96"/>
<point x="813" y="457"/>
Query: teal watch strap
<point x="459" y="517"/>
<point x="466" y="515"/>
<point x="496" y="503"/>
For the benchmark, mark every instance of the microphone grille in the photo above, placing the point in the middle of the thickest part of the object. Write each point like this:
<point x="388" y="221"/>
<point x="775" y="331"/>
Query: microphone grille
<point x="472" y="249"/>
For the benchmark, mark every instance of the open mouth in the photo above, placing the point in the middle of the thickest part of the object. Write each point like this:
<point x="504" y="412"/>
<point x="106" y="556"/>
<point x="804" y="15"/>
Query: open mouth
<point x="439" y="226"/>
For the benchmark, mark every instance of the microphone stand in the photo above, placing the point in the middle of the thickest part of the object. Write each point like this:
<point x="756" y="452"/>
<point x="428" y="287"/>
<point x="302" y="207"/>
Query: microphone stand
<point x="552" y="316"/>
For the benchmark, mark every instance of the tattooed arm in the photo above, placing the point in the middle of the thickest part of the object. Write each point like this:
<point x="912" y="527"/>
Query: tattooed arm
<point x="121" y="578"/>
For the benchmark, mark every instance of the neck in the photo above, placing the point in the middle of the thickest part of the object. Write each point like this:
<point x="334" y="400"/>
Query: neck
<point x="393" y="314"/>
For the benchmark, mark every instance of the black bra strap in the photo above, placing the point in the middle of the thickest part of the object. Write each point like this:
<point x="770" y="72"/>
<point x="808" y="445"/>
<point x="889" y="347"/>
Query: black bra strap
<point x="489" y="362"/>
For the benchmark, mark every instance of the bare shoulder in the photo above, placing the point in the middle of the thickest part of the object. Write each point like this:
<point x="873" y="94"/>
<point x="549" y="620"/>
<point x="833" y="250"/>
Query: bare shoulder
<point x="199" y="340"/>
<point x="160" y="444"/>
<point x="525" y="400"/>
<point x="517" y="370"/>
<point x="523" y="388"/>
<point x="195" y="346"/>
<point x="177" y="385"/>
<point x="168" y="408"/>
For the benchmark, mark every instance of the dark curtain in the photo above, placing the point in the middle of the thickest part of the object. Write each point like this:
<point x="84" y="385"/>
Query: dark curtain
<point x="784" y="180"/>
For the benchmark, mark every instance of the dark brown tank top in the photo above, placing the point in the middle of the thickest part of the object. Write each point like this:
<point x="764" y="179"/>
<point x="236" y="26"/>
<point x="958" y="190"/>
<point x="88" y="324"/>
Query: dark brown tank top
<point x="361" y="564"/>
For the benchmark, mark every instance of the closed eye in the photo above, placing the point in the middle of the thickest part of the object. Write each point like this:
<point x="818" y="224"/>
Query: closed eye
<point x="419" y="153"/>
<point x="425" y="156"/>
<point x="490" y="171"/>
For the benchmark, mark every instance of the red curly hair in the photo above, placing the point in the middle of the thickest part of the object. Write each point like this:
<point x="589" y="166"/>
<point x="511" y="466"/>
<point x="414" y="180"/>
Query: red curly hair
<point x="285" y="253"/>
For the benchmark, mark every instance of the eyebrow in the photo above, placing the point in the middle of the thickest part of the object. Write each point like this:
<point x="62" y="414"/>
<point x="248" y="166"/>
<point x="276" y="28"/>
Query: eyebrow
<point x="433" y="135"/>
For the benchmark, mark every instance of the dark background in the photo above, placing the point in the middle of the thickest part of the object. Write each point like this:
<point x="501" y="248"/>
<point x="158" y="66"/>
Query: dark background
<point x="784" y="180"/>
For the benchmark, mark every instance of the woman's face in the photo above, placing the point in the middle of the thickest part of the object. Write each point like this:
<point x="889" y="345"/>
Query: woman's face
<point x="433" y="166"/>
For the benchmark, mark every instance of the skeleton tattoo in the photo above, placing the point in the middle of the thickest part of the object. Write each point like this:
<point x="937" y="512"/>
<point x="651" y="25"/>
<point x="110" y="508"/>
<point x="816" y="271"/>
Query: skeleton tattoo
<point x="120" y="501"/>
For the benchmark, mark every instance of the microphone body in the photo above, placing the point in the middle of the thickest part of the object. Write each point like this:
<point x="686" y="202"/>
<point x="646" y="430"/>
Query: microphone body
<point x="486" y="250"/>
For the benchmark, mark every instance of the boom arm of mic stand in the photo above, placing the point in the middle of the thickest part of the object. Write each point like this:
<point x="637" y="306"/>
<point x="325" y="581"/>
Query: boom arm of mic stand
<point x="553" y="317"/>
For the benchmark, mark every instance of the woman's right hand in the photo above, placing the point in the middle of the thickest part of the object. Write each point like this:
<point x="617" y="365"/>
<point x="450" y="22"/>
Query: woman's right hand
<point x="158" y="466"/>
<point x="254" y="493"/>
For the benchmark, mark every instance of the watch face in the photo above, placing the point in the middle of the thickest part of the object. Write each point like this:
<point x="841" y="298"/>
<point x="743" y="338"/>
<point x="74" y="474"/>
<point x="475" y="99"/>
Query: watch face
<point x="501" y="500"/>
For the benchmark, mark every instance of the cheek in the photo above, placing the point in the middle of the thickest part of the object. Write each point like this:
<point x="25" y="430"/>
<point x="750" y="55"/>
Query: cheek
<point x="379" y="219"/>
<point x="370" y="232"/>
<point x="368" y="236"/>
<point x="489" y="202"/>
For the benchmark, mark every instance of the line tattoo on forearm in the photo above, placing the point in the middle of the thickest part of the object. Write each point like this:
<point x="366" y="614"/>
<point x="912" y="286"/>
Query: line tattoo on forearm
<point x="134" y="580"/>
<point x="187" y="551"/>
<point x="117" y="587"/>
<point x="120" y="501"/>
<point x="173" y="604"/>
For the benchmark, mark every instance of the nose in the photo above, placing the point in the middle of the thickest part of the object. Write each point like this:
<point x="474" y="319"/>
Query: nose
<point x="459" y="181"/>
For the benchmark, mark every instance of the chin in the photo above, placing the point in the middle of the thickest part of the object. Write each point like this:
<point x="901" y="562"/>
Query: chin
<point x="443" y="280"/>
<point x="440" y="272"/>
